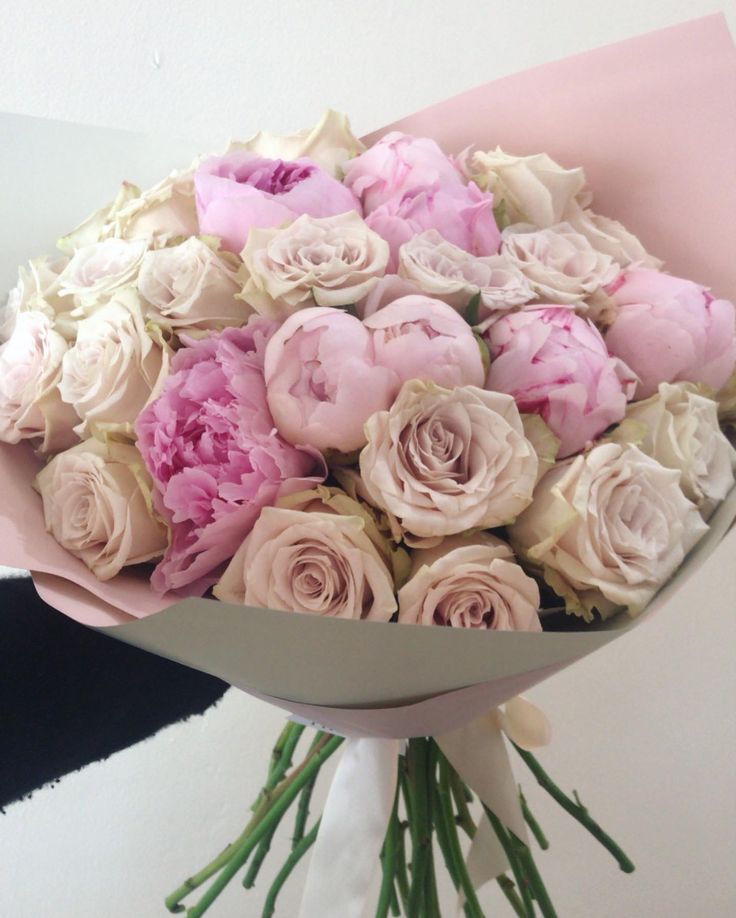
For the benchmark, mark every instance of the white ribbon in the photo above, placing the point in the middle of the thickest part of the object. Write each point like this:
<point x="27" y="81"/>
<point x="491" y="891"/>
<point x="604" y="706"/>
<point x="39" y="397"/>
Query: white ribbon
<point x="361" y="797"/>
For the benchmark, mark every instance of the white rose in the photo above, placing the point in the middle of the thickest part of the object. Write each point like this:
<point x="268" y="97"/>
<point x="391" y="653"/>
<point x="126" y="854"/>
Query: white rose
<point x="115" y="365"/>
<point x="608" y="528"/>
<point x="96" y="271"/>
<point x="679" y="428"/>
<point x="610" y="237"/>
<point x="37" y="289"/>
<point x="160" y="214"/>
<point x="317" y="563"/>
<point x="330" y="261"/>
<point x="470" y="583"/>
<point x="531" y="189"/>
<point x="559" y="263"/>
<point x="446" y="272"/>
<point x="444" y="461"/>
<point x="329" y="144"/>
<point x="189" y="285"/>
<point x="97" y="506"/>
<point x="30" y="369"/>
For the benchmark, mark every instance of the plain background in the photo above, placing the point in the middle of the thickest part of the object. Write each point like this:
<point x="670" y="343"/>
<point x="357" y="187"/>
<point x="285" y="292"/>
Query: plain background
<point x="644" y="729"/>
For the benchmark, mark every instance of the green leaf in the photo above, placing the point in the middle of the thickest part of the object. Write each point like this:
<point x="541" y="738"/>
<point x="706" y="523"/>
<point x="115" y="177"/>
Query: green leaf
<point x="471" y="310"/>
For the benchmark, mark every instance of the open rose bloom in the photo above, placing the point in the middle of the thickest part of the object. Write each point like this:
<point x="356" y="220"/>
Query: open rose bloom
<point x="325" y="411"/>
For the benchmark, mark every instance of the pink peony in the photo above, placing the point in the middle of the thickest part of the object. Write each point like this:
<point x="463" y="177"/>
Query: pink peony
<point x="322" y="379"/>
<point x="210" y="445"/>
<point x="398" y="164"/>
<point x="668" y="329"/>
<point x="241" y="190"/>
<point x="462" y="214"/>
<point x="556" y="364"/>
<point x="421" y="338"/>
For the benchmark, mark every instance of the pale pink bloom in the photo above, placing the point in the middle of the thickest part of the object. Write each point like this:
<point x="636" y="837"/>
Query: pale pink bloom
<point x="556" y="364"/>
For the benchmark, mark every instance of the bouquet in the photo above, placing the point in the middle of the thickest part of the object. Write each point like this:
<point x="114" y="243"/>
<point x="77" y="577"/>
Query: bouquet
<point x="405" y="410"/>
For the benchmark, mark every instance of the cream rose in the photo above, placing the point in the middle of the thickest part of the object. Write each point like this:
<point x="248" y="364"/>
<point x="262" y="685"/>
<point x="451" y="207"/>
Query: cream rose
<point x="608" y="528"/>
<point x="317" y="563"/>
<point x="559" y="263"/>
<point x="329" y="144"/>
<point x="531" y="189"/>
<point x="115" y="365"/>
<point x="98" y="225"/>
<point x="610" y="237"/>
<point x="446" y="272"/>
<point x="37" y="289"/>
<point x="96" y="271"/>
<point x="443" y="461"/>
<point x="97" y="506"/>
<point x="30" y="369"/>
<point x="678" y="427"/>
<point x="189" y="286"/>
<point x="330" y="261"/>
<point x="470" y="583"/>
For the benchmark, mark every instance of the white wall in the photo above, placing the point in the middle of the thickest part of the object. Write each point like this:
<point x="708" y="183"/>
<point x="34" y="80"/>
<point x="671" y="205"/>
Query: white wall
<point x="644" y="729"/>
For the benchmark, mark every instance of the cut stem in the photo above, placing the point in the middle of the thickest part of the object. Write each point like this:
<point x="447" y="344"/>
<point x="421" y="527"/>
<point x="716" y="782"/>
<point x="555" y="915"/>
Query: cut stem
<point x="576" y="809"/>
<point x="283" y="875"/>
<point x="517" y="867"/>
<point x="531" y="821"/>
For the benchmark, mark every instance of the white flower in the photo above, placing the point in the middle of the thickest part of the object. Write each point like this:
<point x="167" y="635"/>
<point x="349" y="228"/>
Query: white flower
<point x="317" y="563"/>
<point x="610" y="237"/>
<point x="97" y="506"/>
<point x="443" y="461"/>
<point x="608" y="528"/>
<point x="189" y="285"/>
<point x="559" y="263"/>
<point x="446" y="272"/>
<point x="115" y="365"/>
<point x="531" y="189"/>
<point x="329" y="144"/>
<point x="30" y="368"/>
<point x="330" y="261"/>
<point x="97" y="270"/>
<point x="37" y="289"/>
<point x="470" y="582"/>
<point x="678" y="427"/>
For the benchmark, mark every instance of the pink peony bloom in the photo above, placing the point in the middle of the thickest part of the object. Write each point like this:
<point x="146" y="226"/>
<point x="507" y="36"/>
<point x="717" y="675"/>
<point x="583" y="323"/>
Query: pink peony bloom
<point x="322" y="380"/>
<point x="556" y="364"/>
<point x="398" y="164"/>
<point x="671" y="330"/>
<point x="462" y="214"/>
<point x="421" y="338"/>
<point x="210" y="445"/>
<point x="241" y="190"/>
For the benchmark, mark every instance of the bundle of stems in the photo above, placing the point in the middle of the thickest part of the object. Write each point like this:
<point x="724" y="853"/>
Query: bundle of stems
<point x="431" y="812"/>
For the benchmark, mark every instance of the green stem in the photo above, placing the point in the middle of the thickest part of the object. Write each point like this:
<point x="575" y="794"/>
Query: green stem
<point x="395" y="907"/>
<point x="258" y="858"/>
<point x="295" y="856"/>
<point x="388" y="863"/>
<point x="517" y="867"/>
<point x="305" y="798"/>
<point x="263" y="819"/>
<point x="402" y="876"/>
<point x="508" y="888"/>
<point x="531" y="821"/>
<point x="449" y="840"/>
<point x="431" y="897"/>
<point x="576" y="809"/>
<point x="535" y="880"/>
<point x="281" y="761"/>
<point x="461" y="797"/>
<point x="419" y="823"/>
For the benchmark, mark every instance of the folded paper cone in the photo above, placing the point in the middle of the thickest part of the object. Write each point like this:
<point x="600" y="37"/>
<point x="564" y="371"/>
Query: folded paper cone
<point x="651" y="121"/>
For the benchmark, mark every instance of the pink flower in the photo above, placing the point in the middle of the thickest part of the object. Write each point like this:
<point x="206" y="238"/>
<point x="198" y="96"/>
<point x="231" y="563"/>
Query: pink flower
<point x="668" y="329"/>
<point x="421" y="338"/>
<point x="322" y="380"/>
<point x="556" y="364"/>
<point x="210" y="445"/>
<point x="241" y="190"/>
<point x="398" y="164"/>
<point x="462" y="214"/>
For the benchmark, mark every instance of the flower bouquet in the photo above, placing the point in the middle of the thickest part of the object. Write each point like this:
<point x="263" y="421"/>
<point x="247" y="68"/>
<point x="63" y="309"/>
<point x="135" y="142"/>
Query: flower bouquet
<point x="416" y="390"/>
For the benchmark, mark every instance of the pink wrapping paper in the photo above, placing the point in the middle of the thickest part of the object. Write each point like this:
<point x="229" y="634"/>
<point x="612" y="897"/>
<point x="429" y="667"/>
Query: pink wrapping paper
<point x="653" y="122"/>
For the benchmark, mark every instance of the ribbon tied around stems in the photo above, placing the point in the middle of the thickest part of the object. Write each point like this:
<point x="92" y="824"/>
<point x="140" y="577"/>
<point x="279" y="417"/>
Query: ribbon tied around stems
<point x="346" y="855"/>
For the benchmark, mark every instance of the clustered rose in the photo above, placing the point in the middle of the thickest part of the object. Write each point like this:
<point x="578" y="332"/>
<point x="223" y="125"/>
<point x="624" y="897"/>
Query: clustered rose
<point x="380" y="384"/>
